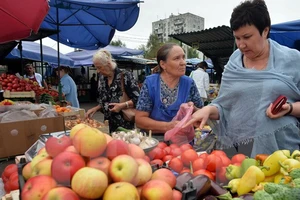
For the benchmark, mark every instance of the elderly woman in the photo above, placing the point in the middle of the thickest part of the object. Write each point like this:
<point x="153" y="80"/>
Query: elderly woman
<point x="111" y="92"/>
<point x="163" y="93"/>
<point x="257" y="73"/>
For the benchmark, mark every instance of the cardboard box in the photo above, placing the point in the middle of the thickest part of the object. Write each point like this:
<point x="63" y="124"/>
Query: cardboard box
<point x="17" y="137"/>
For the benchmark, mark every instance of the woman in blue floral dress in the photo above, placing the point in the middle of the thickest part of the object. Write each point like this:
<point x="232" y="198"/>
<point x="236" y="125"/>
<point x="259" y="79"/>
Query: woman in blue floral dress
<point x="162" y="93"/>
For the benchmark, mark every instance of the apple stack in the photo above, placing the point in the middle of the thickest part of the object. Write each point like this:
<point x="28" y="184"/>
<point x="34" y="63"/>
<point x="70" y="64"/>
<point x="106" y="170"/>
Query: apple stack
<point x="91" y="165"/>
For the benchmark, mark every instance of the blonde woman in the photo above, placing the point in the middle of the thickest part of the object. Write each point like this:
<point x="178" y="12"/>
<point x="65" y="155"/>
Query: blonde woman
<point x="110" y="91"/>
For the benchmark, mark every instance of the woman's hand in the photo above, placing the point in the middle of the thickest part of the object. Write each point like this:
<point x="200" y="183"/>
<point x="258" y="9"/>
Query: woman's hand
<point x="285" y="109"/>
<point x="116" y="107"/>
<point x="199" y="118"/>
<point x="90" y="113"/>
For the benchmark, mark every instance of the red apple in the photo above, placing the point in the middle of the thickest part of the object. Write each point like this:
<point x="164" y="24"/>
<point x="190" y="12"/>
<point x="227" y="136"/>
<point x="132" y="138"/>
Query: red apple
<point x="36" y="187"/>
<point x="144" y="173"/>
<point x="115" y="148"/>
<point x="65" y="165"/>
<point x="101" y="163"/>
<point x="121" y="190"/>
<point x="26" y="171"/>
<point x="61" y="193"/>
<point x="136" y="151"/>
<point x="71" y="149"/>
<point x="42" y="168"/>
<point x="54" y="145"/>
<point x="89" y="142"/>
<point x="157" y="189"/>
<point x="123" y="168"/>
<point x="89" y="183"/>
<point x="165" y="175"/>
<point x="177" y="195"/>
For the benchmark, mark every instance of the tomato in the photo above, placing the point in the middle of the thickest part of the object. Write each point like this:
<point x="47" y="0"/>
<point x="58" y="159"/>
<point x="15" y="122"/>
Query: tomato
<point x="238" y="158"/>
<point x="199" y="163"/>
<point x="160" y="144"/>
<point x="174" y="146"/>
<point x="156" y="153"/>
<point x="188" y="157"/>
<point x="167" y="157"/>
<point x="156" y="162"/>
<point x="214" y="162"/>
<point x="185" y="147"/>
<point x="185" y="169"/>
<point x="167" y="150"/>
<point x="218" y="153"/>
<point x="225" y="160"/>
<point x="13" y="183"/>
<point x="176" y="164"/>
<point x="176" y="152"/>
<point x="204" y="172"/>
<point x="220" y="175"/>
<point x="204" y="156"/>
<point x="10" y="169"/>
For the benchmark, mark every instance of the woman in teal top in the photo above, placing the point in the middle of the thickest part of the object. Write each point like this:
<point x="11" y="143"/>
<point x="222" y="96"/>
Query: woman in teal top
<point x="69" y="88"/>
<point x="163" y="93"/>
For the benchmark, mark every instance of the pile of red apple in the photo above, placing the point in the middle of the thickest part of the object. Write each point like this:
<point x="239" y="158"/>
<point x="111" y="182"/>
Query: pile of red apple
<point x="15" y="84"/>
<point x="89" y="164"/>
<point x="10" y="178"/>
<point x="185" y="159"/>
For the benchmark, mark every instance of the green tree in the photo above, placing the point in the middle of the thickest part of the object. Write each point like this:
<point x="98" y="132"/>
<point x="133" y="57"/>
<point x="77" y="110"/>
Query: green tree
<point x="193" y="53"/>
<point x="118" y="43"/>
<point x="152" y="46"/>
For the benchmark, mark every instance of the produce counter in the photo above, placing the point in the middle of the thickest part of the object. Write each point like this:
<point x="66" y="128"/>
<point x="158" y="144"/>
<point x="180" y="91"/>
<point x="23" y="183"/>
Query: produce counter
<point x="173" y="170"/>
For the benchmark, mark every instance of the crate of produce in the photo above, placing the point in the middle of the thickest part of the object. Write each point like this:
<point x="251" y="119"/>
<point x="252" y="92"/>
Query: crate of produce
<point x="8" y="94"/>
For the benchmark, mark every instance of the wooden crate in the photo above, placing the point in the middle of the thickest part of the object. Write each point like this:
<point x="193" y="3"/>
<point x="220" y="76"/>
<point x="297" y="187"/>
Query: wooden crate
<point x="9" y="94"/>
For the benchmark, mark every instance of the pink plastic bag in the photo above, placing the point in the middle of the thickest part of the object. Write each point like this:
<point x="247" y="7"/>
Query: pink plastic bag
<point x="179" y="135"/>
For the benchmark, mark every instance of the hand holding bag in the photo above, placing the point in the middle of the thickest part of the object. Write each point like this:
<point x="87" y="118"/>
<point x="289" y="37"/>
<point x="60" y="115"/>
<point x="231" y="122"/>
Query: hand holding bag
<point x="128" y="113"/>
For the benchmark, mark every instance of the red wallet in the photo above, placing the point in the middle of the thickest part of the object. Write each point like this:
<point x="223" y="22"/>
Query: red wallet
<point x="277" y="104"/>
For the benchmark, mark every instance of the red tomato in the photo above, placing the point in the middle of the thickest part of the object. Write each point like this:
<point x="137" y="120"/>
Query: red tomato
<point x="156" y="162"/>
<point x="167" y="150"/>
<point x="199" y="163"/>
<point x="10" y="169"/>
<point x="167" y="157"/>
<point x="225" y="160"/>
<point x="176" y="164"/>
<point x="162" y="145"/>
<point x="174" y="146"/>
<point x="220" y="175"/>
<point x="204" y="172"/>
<point x="176" y="152"/>
<point x="214" y="162"/>
<point x="188" y="157"/>
<point x="218" y="153"/>
<point x="13" y="183"/>
<point x="7" y="187"/>
<point x="185" y="169"/>
<point x="203" y="156"/>
<point x="156" y="153"/>
<point x="185" y="147"/>
<point x="238" y="158"/>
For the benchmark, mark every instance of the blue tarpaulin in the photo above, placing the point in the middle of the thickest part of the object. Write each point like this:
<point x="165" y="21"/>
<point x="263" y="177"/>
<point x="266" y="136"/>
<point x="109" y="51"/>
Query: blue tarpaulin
<point x="287" y="33"/>
<point x="90" y="24"/>
<point x="32" y="51"/>
<point x="85" y="57"/>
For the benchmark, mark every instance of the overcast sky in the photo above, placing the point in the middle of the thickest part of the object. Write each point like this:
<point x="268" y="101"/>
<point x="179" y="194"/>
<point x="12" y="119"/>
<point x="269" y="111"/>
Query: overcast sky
<point x="214" y="12"/>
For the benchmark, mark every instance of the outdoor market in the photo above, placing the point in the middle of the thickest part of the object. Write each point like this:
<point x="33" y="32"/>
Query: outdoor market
<point x="193" y="113"/>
